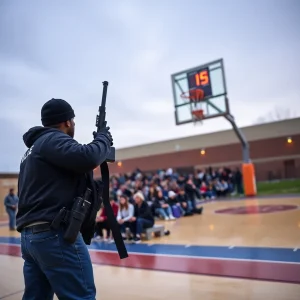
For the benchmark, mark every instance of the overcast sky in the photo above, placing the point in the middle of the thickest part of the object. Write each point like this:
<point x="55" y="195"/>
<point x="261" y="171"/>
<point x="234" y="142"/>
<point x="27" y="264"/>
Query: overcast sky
<point x="65" y="49"/>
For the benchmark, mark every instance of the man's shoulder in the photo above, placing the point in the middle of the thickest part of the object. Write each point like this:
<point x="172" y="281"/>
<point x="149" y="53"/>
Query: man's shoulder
<point x="56" y="138"/>
<point x="57" y="134"/>
<point x="145" y="204"/>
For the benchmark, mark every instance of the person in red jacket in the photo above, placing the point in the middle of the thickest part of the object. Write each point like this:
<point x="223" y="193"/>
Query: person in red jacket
<point x="102" y="223"/>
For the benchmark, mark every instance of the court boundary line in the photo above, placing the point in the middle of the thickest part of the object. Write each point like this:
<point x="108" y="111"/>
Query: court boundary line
<point x="178" y="245"/>
<point x="181" y="256"/>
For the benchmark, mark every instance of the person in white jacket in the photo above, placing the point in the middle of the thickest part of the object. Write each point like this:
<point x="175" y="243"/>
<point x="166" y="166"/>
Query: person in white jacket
<point x="125" y="215"/>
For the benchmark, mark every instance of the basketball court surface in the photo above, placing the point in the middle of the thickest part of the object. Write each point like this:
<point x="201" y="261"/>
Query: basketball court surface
<point x="237" y="249"/>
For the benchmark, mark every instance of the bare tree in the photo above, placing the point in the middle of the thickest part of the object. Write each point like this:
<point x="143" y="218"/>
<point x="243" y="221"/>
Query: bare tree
<point x="277" y="114"/>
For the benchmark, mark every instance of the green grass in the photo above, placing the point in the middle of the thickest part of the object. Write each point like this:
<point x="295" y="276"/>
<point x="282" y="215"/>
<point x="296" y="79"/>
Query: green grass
<point x="279" y="187"/>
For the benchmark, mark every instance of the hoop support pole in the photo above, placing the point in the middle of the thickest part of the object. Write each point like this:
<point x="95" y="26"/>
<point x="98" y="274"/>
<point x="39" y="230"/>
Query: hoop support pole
<point x="241" y="137"/>
<point x="248" y="169"/>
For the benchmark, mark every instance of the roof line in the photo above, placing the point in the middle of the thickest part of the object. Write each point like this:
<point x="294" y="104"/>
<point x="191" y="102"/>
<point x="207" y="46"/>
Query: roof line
<point x="207" y="134"/>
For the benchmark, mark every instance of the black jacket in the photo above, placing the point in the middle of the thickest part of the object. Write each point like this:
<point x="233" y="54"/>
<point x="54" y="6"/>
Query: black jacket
<point x="50" y="172"/>
<point x="191" y="193"/>
<point x="143" y="211"/>
<point x="182" y="198"/>
<point x="158" y="202"/>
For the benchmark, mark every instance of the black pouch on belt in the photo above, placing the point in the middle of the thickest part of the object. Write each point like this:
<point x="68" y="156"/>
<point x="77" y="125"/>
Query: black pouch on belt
<point x="76" y="217"/>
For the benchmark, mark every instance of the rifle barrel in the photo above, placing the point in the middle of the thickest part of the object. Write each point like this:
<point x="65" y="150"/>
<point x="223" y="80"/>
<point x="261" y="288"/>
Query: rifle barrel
<point x="103" y="102"/>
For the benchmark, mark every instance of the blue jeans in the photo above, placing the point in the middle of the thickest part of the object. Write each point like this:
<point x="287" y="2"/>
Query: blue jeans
<point x="140" y="225"/>
<point x="127" y="225"/>
<point x="52" y="265"/>
<point x="164" y="212"/>
<point x="12" y="217"/>
<point x="189" y="208"/>
<point x="208" y="194"/>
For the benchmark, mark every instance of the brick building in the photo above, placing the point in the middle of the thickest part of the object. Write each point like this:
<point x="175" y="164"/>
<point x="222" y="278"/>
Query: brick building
<point x="274" y="155"/>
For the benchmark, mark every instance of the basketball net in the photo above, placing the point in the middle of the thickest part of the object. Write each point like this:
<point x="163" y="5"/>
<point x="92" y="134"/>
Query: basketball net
<point x="195" y="97"/>
<point x="197" y="116"/>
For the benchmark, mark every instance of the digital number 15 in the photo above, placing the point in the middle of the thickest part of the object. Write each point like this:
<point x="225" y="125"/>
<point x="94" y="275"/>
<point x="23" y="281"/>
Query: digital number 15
<point x="202" y="78"/>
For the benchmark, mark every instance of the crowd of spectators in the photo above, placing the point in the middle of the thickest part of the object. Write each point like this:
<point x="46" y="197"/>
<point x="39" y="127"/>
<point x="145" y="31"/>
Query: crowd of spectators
<point x="138" y="198"/>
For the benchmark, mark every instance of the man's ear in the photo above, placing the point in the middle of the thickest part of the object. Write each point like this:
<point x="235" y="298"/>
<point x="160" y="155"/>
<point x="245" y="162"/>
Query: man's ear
<point x="68" y="124"/>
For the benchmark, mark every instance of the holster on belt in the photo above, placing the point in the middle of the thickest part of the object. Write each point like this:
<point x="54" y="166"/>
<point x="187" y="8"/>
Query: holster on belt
<point x="73" y="219"/>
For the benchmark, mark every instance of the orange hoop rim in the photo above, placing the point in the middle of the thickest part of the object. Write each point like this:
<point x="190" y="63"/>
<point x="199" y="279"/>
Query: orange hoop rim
<point x="196" y="95"/>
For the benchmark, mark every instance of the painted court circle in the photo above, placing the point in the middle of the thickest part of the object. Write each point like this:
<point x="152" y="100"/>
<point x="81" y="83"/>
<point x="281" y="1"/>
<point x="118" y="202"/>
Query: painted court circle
<point x="256" y="209"/>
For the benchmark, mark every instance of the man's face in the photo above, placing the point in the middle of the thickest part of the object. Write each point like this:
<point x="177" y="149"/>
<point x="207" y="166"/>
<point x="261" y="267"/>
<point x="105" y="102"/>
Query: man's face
<point x="11" y="191"/>
<point x="137" y="200"/>
<point x="71" y="128"/>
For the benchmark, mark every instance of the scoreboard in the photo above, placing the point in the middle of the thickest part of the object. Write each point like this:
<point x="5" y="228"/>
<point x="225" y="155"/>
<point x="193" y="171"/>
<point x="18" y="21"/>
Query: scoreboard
<point x="200" y="79"/>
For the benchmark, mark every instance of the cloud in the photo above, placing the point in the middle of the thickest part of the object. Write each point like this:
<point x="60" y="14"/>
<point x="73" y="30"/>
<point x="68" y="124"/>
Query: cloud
<point x="66" y="49"/>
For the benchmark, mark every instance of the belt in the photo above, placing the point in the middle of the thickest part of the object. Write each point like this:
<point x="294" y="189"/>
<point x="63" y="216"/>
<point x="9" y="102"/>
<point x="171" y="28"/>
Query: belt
<point x="39" y="228"/>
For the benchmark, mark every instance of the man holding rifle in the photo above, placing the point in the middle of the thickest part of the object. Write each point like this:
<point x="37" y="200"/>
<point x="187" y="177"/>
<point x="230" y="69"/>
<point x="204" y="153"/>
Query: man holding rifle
<point x="58" y="200"/>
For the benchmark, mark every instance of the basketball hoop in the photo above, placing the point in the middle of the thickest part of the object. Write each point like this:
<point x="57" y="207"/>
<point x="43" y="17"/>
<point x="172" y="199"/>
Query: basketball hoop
<point x="198" y="116"/>
<point x="196" y="95"/>
<point x="196" y="98"/>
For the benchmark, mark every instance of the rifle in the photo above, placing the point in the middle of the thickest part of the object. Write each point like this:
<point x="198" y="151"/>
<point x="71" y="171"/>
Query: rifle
<point x="101" y="123"/>
<point x="112" y="222"/>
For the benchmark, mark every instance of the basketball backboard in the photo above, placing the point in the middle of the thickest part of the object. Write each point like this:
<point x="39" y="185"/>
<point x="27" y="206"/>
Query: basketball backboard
<point x="210" y="80"/>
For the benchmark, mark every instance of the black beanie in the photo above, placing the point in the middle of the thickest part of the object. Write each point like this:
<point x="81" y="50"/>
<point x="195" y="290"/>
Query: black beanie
<point x="56" y="111"/>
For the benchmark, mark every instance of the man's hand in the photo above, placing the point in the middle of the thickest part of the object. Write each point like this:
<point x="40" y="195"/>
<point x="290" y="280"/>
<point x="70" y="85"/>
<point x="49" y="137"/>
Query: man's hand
<point x="100" y="219"/>
<point x="121" y="221"/>
<point x="165" y="205"/>
<point x="105" y="131"/>
<point x="132" y="219"/>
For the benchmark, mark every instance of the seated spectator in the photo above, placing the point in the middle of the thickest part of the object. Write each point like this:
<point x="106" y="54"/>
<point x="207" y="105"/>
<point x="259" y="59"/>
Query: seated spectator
<point x="162" y="208"/>
<point x="192" y="193"/>
<point x="125" y="213"/>
<point x="185" y="203"/>
<point x="205" y="191"/>
<point x="142" y="218"/>
<point x="102" y="223"/>
<point x="151" y="194"/>
<point x="222" y="188"/>
<point x="175" y="203"/>
<point x="211" y="190"/>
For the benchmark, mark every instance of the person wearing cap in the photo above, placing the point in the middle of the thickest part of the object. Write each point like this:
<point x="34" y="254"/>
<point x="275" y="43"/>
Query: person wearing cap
<point x="142" y="218"/>
<point x="50" y="172"/>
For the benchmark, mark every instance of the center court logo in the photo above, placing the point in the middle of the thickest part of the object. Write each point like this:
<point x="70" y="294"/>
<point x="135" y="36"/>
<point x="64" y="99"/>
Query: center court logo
<point x="255" y="209"/>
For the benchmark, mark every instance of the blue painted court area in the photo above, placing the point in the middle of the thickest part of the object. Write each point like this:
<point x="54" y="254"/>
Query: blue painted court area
<point x="243" y="253"/>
